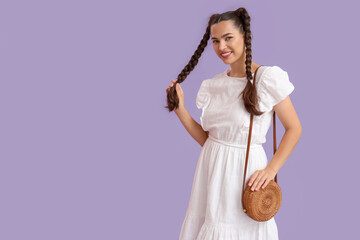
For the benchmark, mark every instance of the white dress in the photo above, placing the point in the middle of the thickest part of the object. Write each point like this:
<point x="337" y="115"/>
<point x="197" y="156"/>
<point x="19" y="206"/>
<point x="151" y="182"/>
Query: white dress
<point x="215" y="210"/>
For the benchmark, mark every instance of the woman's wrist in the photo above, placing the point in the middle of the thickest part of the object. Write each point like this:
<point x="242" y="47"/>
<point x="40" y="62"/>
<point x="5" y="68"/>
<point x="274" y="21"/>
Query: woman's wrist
<point x="179" y="109"/>
<point x="271" y="169"/>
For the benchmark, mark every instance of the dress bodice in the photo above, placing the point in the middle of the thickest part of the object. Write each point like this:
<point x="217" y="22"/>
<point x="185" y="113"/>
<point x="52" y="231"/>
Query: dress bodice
<point x="223" y="111"/>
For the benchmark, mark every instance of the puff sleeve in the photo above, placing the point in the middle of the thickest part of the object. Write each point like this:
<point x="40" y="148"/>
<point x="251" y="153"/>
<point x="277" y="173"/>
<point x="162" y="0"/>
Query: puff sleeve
<point x="203" y="95"/>
<point x="274" y="86"/>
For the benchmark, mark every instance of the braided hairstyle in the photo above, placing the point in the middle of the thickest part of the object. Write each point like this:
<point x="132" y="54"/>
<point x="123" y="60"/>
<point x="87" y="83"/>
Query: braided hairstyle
<point x="241" y="21"/>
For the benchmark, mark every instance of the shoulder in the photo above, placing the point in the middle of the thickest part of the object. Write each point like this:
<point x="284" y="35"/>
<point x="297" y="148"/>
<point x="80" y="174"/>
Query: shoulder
<point x="207" y="83"/>
<point x="274" y="85"/>
<point x="204" y="85"/>
<point x="273" y="71"/>
<point x="272" y="76"/>
<point x="203" y="95"/>
<point x="205" y="90"/>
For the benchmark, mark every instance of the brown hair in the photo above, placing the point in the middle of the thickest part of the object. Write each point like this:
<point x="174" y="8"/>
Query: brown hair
<point x="241" y="21"/>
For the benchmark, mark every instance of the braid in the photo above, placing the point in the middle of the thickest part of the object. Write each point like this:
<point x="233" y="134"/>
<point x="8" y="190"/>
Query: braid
<point x="249" y="93"/>
<point x="172" y="98"/>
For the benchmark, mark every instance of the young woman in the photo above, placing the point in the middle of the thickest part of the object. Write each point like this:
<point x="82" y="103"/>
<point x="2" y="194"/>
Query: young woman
<point x="215" y="210"/>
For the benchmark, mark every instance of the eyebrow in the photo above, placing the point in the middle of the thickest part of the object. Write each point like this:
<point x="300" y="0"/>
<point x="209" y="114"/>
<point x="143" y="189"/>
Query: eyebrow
<point x="221" y="36"/>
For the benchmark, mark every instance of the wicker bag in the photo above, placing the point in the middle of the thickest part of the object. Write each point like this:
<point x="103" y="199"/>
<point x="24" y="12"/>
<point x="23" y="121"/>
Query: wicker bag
<point x="263" y="204"/>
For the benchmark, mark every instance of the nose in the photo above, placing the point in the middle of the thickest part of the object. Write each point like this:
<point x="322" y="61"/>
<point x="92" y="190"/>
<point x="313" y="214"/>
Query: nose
<point x="222" y="47"/>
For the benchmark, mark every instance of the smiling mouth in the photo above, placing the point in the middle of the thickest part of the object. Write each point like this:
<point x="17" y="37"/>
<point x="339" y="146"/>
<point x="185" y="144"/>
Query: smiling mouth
<point x="226" y="55"/>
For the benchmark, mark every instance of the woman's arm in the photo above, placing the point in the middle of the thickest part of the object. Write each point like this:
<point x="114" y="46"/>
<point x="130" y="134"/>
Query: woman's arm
<point x="293" y="130"/>
<point x="193" y="128"/>
<point x="289" y="119"/>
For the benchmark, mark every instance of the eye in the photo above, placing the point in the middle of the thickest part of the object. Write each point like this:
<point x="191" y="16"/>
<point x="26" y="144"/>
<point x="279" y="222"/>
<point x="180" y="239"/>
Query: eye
<point x="217" y="40"/>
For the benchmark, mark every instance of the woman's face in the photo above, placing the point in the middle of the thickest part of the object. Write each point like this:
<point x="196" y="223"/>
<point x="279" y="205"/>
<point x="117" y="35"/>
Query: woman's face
<point x="225" y="38"/>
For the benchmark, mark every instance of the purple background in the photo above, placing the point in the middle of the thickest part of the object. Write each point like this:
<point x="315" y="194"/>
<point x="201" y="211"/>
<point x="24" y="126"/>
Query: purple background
<point x="88" y="150"/>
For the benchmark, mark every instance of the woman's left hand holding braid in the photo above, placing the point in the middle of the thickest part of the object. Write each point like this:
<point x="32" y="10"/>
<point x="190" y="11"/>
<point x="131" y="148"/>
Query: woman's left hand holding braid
<point x="261" y="178"/>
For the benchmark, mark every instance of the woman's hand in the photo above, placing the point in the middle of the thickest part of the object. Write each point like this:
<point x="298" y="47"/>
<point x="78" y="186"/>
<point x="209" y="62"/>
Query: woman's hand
<point x="179" y="92"/>
<point x="261" y="178"/>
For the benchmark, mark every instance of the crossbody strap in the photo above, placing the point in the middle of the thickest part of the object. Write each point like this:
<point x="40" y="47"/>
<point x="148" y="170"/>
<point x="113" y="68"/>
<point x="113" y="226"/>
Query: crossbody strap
<point x="249" y="138"/>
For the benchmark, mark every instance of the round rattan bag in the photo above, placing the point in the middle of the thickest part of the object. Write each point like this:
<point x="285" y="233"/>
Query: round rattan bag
<point x="263" y="204"/>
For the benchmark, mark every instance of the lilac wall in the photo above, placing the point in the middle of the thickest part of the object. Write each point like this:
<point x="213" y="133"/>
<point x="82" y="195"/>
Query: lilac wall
<point x="88" y="150"/>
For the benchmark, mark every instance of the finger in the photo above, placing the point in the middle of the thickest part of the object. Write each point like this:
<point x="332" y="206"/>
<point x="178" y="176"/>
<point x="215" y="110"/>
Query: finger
<point x="252" y="178"/>
<point x="266" y="183"/>
<point x="256" y="182"/>
<point x="261" y="182"/>
<point x="179" y="88"/>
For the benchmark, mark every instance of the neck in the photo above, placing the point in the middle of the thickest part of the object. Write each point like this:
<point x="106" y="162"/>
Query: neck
<point x="238" y="68"/>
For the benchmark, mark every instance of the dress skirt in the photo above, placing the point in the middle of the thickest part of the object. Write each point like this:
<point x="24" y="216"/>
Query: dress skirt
<point x="215" y="210"/>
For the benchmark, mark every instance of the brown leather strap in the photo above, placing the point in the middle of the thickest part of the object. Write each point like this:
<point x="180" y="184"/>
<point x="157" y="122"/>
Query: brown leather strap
<point x="274" y="138"/>
<point x="249" y="138"/>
